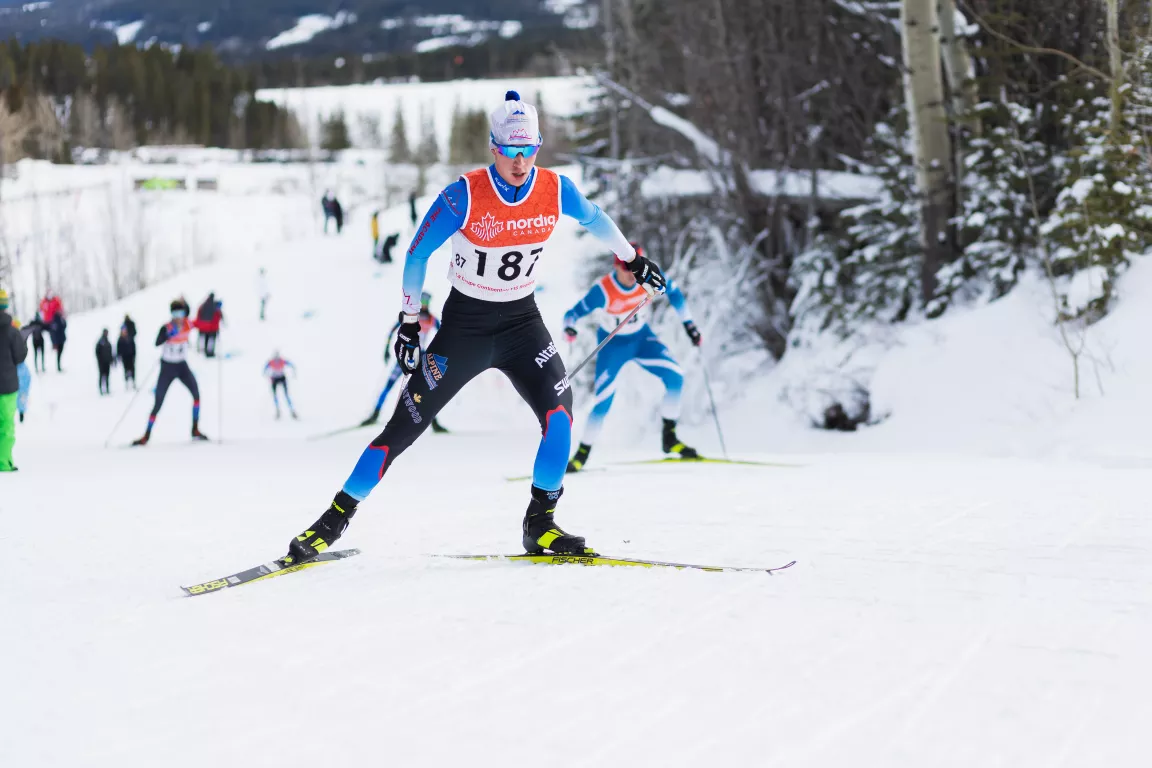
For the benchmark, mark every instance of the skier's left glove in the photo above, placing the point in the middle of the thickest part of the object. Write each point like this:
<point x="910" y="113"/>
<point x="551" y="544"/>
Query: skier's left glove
<point x="407" y="345"/>
<point x="647" y="273"/>
<point x="693" y="332"/>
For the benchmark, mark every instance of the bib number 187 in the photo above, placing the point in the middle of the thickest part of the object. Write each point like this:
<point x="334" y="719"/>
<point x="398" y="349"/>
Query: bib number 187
<point x="510" y="263"/>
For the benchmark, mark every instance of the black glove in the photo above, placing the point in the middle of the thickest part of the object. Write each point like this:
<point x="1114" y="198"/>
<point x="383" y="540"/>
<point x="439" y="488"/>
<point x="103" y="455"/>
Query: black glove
<point x="387" y="354"/>
<point x="570" y="333"/>
<point x="693" y="332"/>
<point x="407" y="345"/>
<point x="647" y="273"/>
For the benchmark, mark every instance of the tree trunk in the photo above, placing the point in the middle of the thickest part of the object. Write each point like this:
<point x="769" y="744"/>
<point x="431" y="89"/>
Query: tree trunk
<point x="1115" y="61"/>
<point x="957" y="66"/>
<point x="928" y="123"/>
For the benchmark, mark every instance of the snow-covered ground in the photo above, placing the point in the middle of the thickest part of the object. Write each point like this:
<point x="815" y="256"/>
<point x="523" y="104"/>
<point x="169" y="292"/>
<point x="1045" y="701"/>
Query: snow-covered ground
<point x="952" y="605"/>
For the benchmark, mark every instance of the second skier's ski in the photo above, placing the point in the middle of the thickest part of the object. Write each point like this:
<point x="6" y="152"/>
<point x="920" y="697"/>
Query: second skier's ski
<point x="547" y="559"/>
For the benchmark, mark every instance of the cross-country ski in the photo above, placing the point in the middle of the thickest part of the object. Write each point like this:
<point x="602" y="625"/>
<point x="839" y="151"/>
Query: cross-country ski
<point x="263" y="572"/>
<point x="603" y="560"/>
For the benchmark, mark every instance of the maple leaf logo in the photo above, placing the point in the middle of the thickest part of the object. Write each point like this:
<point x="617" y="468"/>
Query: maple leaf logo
<point x="487" y="228"/>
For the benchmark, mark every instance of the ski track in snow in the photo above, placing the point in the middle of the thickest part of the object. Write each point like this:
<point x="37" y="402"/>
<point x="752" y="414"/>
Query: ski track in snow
<point x="945" y="610"/>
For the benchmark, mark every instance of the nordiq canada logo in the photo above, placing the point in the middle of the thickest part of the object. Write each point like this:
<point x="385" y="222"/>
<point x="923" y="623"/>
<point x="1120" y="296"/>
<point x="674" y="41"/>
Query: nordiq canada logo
<point x="487" y="227"/>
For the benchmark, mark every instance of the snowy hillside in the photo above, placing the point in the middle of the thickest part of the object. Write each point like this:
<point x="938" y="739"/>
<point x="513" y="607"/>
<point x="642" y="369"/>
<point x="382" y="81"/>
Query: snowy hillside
<point x="946" y="610"/>
<point x="560" y="97"/>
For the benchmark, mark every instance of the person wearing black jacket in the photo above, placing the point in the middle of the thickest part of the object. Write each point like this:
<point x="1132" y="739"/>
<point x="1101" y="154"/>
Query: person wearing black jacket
<point x="386" y="248"/>
<point x="126" y="354"/>
<point x="129" y="326"/>
<point x="35" y="330"/>
<point x="13" y="351"/>
<point x="57" y="331"/>
<point x="338" y="214"/>
<point x="104" y="360"/>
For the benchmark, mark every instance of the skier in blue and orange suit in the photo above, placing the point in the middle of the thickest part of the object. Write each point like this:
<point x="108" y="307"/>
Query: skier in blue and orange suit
<point x="615" y="295"/>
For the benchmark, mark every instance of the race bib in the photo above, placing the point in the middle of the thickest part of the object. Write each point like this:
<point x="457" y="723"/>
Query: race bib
<point x="496" y="254"/>
<point x="494" y="274"/>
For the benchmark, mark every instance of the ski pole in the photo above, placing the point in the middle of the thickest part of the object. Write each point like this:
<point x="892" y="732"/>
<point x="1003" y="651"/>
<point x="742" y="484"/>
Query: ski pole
<point x="130" y="403"/>
<point x="712" y="400"/>
<point x="567" y="380"/>
<point x="220" y="400"/>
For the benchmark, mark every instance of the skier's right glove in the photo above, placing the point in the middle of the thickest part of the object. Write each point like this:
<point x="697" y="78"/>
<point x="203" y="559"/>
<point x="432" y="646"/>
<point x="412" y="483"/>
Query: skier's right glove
<point x="647" y="273"/>
<point x="407" y="345"/>
<point x="570" y="333"/>
<point x="693" y="332"/>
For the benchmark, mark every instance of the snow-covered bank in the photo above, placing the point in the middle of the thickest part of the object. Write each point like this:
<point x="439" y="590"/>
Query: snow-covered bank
<point x="993" y="379"/>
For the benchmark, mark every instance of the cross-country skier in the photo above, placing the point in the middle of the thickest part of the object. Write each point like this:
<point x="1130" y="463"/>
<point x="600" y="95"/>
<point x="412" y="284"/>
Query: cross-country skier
<point x="615" y="295"/>
<point x="276" y="370"/>
<point x="500" y="219"/>
<point x="428" y="327"/>
<point x="174" y="337"/>
<point x="209" y="317"/>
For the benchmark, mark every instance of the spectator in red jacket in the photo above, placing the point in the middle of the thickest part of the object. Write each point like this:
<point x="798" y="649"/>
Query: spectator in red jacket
<point x="52" y="313"/>
<point x="50" y="306"/>
<point x="208" y="319"/>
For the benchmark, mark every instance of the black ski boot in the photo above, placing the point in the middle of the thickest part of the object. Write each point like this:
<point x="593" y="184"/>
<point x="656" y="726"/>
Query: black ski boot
<point x="322" y="533"/>
<point x="439" y="428"/>
<point x="672" y="443"/>
<point x="197" y="434"/>
<point x="371" y="419"/>
<point x="580" y="459"/>
<point x="540" y="529"/>
<point x="144" y="440"/>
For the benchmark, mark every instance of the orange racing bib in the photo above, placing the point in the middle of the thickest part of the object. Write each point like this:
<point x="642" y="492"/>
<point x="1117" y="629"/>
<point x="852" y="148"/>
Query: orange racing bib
<point x="497" y="252"/>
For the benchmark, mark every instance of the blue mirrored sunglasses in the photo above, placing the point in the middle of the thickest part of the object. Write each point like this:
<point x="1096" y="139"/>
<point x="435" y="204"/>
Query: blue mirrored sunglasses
<point x="517" y="150"/>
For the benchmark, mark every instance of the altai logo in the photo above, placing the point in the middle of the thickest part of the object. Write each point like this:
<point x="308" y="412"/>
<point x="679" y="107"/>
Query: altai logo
<point x="487" y="228"/>
<point x="546" y="354"/>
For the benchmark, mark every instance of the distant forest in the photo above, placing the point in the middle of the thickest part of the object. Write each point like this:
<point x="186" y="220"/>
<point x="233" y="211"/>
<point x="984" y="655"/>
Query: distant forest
<point x="53" y="96"/>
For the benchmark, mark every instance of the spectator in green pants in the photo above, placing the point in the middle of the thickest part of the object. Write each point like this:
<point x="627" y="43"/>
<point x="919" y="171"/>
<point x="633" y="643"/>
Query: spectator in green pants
<point x="13" y="351"/>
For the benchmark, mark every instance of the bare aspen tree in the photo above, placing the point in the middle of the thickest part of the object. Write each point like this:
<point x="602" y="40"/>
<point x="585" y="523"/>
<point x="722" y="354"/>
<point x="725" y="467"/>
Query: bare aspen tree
<point x="1115" y="60"/>
<point x="928" y="123"/>
<point x="957" y="64"/>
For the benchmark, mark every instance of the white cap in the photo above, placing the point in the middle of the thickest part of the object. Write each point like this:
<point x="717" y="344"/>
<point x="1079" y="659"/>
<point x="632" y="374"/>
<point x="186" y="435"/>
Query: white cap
<point x="514" y="122"/>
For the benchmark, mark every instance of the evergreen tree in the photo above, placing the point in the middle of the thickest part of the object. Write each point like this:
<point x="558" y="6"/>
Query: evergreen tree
<point x="870" y="269"/>
<point x="335" y="133"/>
<point x="1005" y="168"/>
<point x="1102" y="218"/>
<point x="398" y="150"/>
<point x="468" y="142"/>
<point x="428" y="150"/>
